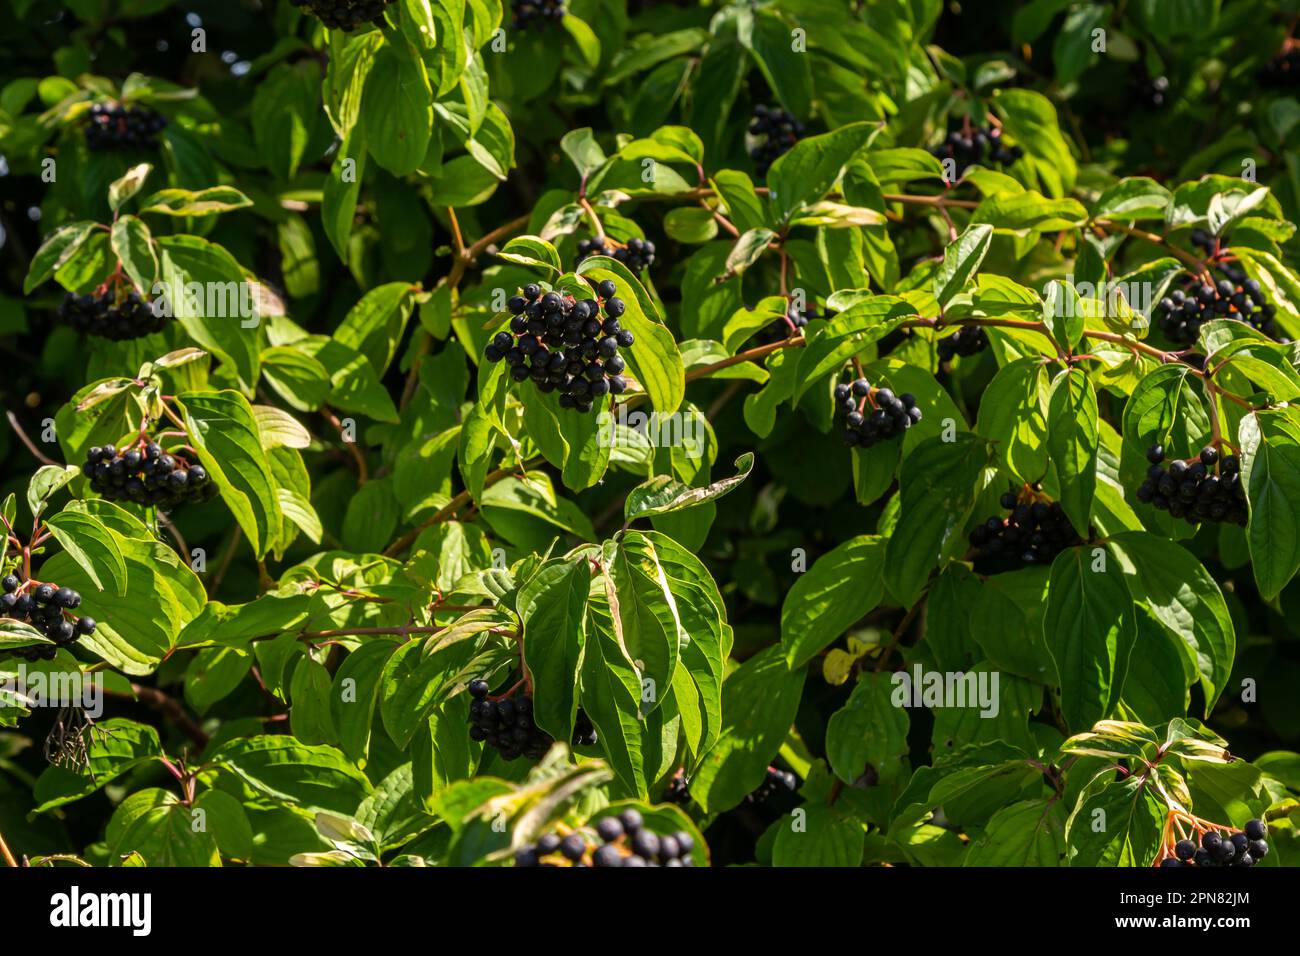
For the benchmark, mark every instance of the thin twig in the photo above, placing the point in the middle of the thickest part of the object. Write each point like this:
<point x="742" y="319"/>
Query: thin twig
<point x="40" y="455"/>
<point x="4" y="851"/>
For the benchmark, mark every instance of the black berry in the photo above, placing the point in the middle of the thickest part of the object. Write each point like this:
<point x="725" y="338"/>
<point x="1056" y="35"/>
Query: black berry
<point x="112" y="314"/>
<point x="147" y="475"/>
<point x="874" y="414"/>
<point x="774" y="132"/>
<point x="345" y="15"/>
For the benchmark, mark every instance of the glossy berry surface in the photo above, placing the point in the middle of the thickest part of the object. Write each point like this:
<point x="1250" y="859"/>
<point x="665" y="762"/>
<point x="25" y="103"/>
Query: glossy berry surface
<point x="637" y="254"/>
<point x="1205" y="488"/>
<point x="874" y="415"/>
<point x="774" y="131"/>
<point x="610" y="843"/>
<point x="1194" y="301"/>
<point x="526" y="13"/>
<point x="968" y="340"/>
<point x="47" y="608"/>
<point x="116" y="127"/>
<point x="345" y="15"/>
<point x="1034" y="531"/>
<point x="109" y="315"/>
<point x="146" y="474"/>
<point x="566" y="345"/>
<point x="968" y="146"/>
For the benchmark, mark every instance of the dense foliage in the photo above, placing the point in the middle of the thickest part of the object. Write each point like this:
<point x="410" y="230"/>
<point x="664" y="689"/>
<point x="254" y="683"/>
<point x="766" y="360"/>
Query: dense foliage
<point x="451" y="432"/>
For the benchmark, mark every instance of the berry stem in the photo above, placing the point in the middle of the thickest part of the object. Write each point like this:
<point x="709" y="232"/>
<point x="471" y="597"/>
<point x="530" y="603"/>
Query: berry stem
<point x="591" y="214"/>
<point x="941" y="200"/>
<point x="6" y="853"/>
<point x="456" y="237"/>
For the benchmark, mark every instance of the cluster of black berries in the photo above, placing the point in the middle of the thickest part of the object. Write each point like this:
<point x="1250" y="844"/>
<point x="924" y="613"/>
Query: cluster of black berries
<point x="638" y="255"/>
<point x="1183" y="311"/>
<point x="1283" y="69"/>
<point x="1034" y="532"/>
<point x="775" y="782"/>
<point x="1193" y="490"/>
<point x="779" y="131"/>
<point x="874" y="414"/>
<point x="107" y="317"/>
<point x="146" y="475"/>
<point x="564" y="343"/>
<point x="619" y="841"/>
<point x="1152" y="92"/>
<point x="113" y="126"/>
<point x="1223" y="849"/>
<point x="345" y="15"/>
<point x="45" y="607"/>
<point x="507" y="724"/>
<point x="966" y="341"/>
<point x="678" y="790"/>
<point x="970" y="148"/>
<point x="524" y="12"/>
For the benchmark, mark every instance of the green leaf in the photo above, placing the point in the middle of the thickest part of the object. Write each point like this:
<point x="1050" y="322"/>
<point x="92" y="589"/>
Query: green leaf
<point x="224" y="431"/>
<point x="118" y="747"/>
<point x="133" y="246"/>
<point x="86" y="540"/>
<point x="690" y="225"/>
<point x="121" y="192"/>
<point x="157" y="578"/>
<point x="397" y="112"/>
<point x="747" y="250"/>
<point x="868" y="731"/>
<point x="653" y="358"/>
<point x="285" y="107"/>
<point x="937" y="489"/>
<point x="584" y="39"/>
<point x="840" y="588"/>
<point x="1027" y="833"/>
<point x="1134" y="818"/>
<point x="580" y="146"/>
<point x="1131" y="199"/>
<point x="808" y="171"/>
<point x="1270" y="450"/>
<point x="314" y="778"/>
<point x="56" y="251"/>
<point x="827" y="837"/>
<point x="760" y="699"/>
<point x="663" y="494"/>
<point x="1072" y="439"/>
<point x="644" y="615"/>
<point x="159" y="828"/>
<point x="961" y="259"/>
<point x="46" y="483"/>
<point x="1013" y="413"/>
<point x="187" y="202"/>
<point x="374" y="326"/>
<point x="1186" y="600"/>
<point x="224" y="319"/>
<point x="531" y="251"/>
<point x="1090" y="631"/>
<point x="552" y="607"/>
